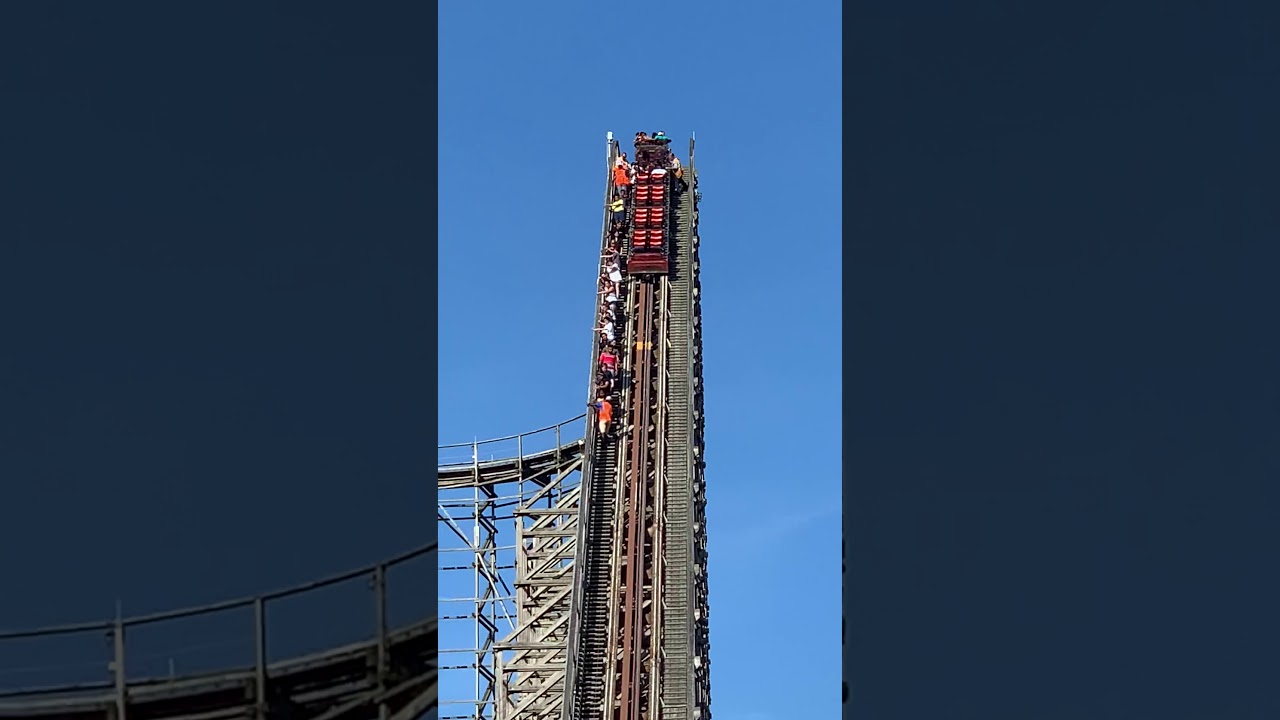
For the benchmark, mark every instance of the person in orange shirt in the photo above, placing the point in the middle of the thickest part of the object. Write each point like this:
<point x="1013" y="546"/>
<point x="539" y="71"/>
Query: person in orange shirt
<point x="604" y="413"/>
<point x="621" y="175"/>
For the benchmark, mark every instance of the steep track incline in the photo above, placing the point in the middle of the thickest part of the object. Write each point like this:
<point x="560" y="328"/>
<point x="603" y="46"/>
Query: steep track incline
<point x="678" y="585"/>
<point x="652" y="610"/>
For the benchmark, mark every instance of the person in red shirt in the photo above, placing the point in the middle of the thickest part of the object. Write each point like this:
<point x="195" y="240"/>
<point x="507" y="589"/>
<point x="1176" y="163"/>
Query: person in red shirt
<point x="608" y="359"/>
<point x="604" y="413"/>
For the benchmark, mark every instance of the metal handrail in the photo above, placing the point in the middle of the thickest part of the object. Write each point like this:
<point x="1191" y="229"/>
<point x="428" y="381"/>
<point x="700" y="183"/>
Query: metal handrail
<point x="510" y="437"/>
<point x="584" y="498"/>
<point x="218" y="606"/>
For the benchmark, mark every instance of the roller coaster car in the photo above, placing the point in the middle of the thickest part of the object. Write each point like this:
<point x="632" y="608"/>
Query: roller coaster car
<point x="648" y="263"/>
<point x="650" y="225"/>
<point x="653" y="154"/>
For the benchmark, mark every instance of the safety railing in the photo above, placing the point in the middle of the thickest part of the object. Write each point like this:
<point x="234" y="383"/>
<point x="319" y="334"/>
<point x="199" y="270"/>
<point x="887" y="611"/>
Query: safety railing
<point x="31" y="666"/>
<point x="534" y="442"/>
<point x="585" y="502"/>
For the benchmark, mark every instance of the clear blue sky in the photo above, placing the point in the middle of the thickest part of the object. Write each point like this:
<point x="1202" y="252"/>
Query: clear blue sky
<point x="527" y="93"/>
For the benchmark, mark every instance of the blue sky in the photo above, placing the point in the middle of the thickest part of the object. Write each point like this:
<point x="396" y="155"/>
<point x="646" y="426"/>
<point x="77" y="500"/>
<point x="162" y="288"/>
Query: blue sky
<point x="527" y="93"/>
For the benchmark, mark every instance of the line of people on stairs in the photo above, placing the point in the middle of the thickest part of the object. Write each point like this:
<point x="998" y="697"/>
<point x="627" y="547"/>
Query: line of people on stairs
<point x="610" y="315"/>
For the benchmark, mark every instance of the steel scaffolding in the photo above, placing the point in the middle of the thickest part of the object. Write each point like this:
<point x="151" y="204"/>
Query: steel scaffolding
<point x="507" y="517"/>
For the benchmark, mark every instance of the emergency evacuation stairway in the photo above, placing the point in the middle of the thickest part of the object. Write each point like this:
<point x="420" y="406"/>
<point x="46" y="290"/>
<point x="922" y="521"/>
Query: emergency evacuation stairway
<point x="585" y="674"/>
<point x="593" y="641"/>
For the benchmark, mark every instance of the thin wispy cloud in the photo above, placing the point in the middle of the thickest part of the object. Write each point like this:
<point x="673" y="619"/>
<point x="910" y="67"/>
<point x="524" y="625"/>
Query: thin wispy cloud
<point x="757" y="538"/>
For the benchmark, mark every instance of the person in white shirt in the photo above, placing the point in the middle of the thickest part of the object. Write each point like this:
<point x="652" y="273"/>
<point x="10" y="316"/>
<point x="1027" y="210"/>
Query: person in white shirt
<point x="610" y="302"/>
<point x="607" y="330"/>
